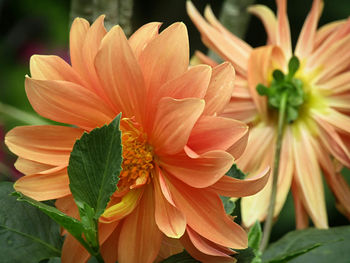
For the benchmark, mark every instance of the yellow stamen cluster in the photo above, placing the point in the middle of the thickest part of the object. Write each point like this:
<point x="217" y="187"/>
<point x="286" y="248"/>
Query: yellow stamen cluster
<point x="137" y="160"/>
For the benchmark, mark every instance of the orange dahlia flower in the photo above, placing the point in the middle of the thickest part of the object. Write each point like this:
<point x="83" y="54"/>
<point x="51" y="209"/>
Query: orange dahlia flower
<point x="176" y="150"/>
<point x="318" y="139"/>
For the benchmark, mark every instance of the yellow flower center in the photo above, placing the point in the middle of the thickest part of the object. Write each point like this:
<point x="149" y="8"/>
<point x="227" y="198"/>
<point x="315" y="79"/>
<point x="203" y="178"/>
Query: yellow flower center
<point x="137" y="163"/>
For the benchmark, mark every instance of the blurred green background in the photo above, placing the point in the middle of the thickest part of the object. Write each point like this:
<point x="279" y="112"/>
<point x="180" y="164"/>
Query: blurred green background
<point x="30" y="27"/>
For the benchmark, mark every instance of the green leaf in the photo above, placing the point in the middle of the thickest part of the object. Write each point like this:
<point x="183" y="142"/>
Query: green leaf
<point x="235" y="172"/>
<point x="95" y="165"/>
<point x="254" y="236"/>
<point x="245" y="255"/>
<point x="73" y="226"/>
<point x="182" y="257"/>
<point x="228" y="204"/>
<point x="26" y="234"/>
<point x="311" y="245"/>
<point x="293" y="66"/>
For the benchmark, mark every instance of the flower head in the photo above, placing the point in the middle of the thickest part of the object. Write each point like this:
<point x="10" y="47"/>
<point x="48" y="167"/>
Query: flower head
<point x="317" y="136"/>
<point x="176" y="150"/>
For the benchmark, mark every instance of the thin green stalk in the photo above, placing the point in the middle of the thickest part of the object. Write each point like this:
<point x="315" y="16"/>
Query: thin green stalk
<point x="269" y="218"/>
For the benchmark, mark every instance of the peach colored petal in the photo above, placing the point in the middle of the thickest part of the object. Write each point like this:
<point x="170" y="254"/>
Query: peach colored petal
<point x="190" y="248"/>
<point x="340" y="103"/>
<point x="197" y="78"/>
<point x="140" y="39"/>
<point x="47" y="144"/>
<point x="44" y="186"/>
<point x="170" y="48"/>
<point x="335" y="180"/>
<point x="233" y="187"/>
<point x="123" y="208"/>
<point x="283" y="32"/>
<point x="209" y="15"/>
<point x="67" y="102"/>
<point x="173" y="123"/>
<point x="220" y="43"/>
<point x="215" y="225"/>
<point x="53" y="68"/>
<point x="109" y="247"/>
<point x="140" y="237"/>
<point x="335" y="118"/>
<point x="261" y="61"/>
<point x="305" y="44"/>
<point x="333" y="142"/>
<point x="200" y="58"/>
<point x="206" y="246"/>
<point x="337" y="85"/>
<point x="240" y="109"/>
<point x="308" y="178"/>
<point x="217" y="133"/>
<point x="301" y="216"/>
<point x="325" y="31"/>
<point x="333" y="61"/>
<point x="168" y="218"/>
<point x="67" y="205"/>
<point x="198" y="171"/>
<point x="268" y="18"/>
<point x="220" y="89"/>
<point x="29" y="167"/>
<point x="120" y="74"/>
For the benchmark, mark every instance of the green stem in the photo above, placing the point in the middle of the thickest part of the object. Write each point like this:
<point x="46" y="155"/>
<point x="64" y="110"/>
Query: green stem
<point x="269" y="218"/>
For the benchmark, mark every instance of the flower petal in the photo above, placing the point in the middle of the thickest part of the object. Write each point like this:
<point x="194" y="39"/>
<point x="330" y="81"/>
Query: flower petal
<point x="301" y="216"/>
<point x="240" y="109"/>
<point x="168" y="218"/>
<point x="233" y="187"/>
<point x="198" y="171"/>
<point x="308" y="178"/>
<point x="200" y="58"/>
<point x="68" y="206"/>
<point x="29" y="167"/>
<point x="145" y="34"/>
<point x="337" y="85"/>
<point x="268" y="18"/>
<point x="165" y="57"/>
<point x="47" y="144"/>
<point x="217" y="133"/>
<point x="67" y="102"/>
<point x="194" y="252"/>
<point x="44" y="186"/>
<point x="283" y="31"/>
<point x="205" y="214"/>
<point x="169" y="247"/>
<point x="325" y="31"/>
<point x="228" y="49"/>
<point x="220" y="89"/>
<point x="173" y="123"/>
<point x="336" y="119"/>
<point x="140" y="237"/>
<point x="120" y="74"/>
<point x="305" y="44"/>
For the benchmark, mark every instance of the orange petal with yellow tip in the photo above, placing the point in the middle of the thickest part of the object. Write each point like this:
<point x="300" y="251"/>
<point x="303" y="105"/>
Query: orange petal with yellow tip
<point x="220" y="89"/>
<point x="268" y="18"/>
<point x="68" y="102"/>
<point x="305" y="44"/>
<point x="173" y="123"/>
<point x="140" y="237"/>
<point x="170" y="48"/>
<point x="44" y="186"/>
<point x="198" y="170"/>
<point x="215" y="226"/>
<point x="47" y="144"/>
<point x="140" y="39"/>
<point x="123" y="208"/>
<point x="229" y="50"/>
<point x="120" y="74"/>
<point x="202" y="257"/>
<point x="168" y="218"/>
<point x="233" y="187"/>
<point x="311" y="186"/>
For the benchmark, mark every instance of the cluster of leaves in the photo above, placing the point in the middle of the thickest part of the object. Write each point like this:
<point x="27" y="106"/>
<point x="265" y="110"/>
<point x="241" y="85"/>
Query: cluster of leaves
<point x="285" y="86"/>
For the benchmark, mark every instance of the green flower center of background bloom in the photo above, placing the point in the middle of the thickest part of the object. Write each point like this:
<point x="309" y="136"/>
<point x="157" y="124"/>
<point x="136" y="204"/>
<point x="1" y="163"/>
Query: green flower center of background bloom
<point x="285" y="85"/>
